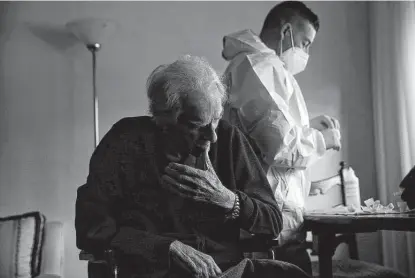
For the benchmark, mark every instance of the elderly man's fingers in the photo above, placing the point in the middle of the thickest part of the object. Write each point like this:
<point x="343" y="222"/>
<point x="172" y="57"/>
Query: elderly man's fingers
<point x="166" y="181"/>
<point x="182" y="178"/>
<point x="171" y="184"/>
<point x="206" y="264"/>
<point x="206" y="271"/>
<point x="195" y="268"/>
<point x="208" y="162"/>
<point x="189" y="181"/>
<point x="184" y="169"/>
<point x="172" y="158"/>
<point x="187" y="190"/>
<point x="169" y="180"/>
<point x="190" y="266"/>
<point x="172" y="173"/>
<point x="216" y="270"/>
<point x="211" y="271"/>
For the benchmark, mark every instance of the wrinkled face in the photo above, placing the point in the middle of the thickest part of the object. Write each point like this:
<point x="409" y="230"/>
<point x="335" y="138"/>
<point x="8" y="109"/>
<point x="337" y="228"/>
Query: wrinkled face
<point x="303" y="34"/>
<point x="195" y="127"/>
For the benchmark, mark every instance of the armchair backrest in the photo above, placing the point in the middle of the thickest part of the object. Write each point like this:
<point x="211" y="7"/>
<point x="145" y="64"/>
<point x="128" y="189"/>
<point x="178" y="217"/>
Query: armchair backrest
<point x="30" y="246"/>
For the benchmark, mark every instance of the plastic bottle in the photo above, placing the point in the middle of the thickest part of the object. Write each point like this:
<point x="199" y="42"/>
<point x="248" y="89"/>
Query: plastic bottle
<point x="351" y="189"/>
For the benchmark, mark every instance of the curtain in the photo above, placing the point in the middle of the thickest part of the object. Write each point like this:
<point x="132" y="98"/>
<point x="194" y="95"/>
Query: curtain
<point x="392" y="42"/>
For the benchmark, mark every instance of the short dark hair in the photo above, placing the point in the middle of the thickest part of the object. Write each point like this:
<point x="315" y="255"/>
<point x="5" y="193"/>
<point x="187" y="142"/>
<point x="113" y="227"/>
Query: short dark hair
<point x="285" y="11"/>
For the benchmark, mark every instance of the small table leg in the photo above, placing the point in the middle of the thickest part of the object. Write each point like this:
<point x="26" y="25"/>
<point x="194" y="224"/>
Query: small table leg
<point x="326" y="248"/>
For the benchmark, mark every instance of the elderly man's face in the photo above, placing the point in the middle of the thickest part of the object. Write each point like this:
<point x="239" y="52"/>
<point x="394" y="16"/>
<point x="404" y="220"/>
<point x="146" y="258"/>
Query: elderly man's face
<point x="196" y="127"/>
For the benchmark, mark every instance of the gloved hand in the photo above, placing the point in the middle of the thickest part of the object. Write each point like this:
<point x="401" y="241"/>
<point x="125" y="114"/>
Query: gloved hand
<point x="323" y="122"/>
<point x="332" y="139"/>
<point x="194" y="262"/>
<point x="293" y="220"/>
<point x="294" y="213"/>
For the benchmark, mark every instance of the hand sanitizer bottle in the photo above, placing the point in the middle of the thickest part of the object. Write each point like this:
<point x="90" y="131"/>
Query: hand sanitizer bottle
<point x="351" y="188"/>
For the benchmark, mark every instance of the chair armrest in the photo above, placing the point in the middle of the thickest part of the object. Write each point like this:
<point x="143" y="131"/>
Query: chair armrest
<point x="102" y="256"/>
<point x="258" y="243"/>
<point x="101" y="264"/>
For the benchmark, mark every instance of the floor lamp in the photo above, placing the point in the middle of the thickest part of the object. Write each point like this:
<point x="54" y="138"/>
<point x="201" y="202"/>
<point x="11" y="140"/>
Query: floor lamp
<point x="92" y="32"/>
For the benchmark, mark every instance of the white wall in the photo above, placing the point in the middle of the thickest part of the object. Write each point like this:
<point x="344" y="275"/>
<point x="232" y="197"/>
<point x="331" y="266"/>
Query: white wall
<point x="46" y="124"/>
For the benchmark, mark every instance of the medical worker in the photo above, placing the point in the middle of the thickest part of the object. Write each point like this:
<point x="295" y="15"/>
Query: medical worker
<point x="266" y="102"/>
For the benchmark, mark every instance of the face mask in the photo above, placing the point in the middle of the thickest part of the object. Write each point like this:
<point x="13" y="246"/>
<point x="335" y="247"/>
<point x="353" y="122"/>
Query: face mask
<point x="295" y="58"/>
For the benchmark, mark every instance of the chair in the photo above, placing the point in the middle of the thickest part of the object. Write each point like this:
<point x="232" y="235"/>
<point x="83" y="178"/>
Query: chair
<point x="329" y="193"/>
<point x="19" y="236"/>
<point x="104" y="264"/>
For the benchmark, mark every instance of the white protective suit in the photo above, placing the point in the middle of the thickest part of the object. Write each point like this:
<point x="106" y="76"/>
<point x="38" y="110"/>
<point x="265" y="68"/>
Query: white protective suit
<point x="266" y="102"/>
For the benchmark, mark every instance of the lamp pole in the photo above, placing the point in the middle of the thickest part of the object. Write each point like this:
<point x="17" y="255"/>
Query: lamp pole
<point x="91" y="31"/>
<point x="94" y="49"/>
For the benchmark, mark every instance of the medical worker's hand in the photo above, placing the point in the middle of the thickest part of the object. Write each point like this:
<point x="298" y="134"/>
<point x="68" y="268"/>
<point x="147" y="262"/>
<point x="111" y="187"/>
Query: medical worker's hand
<point x="332" y="139"/>
<point x="194" y="262"/>
<point x="323" y="122"/>
<point x="293" y="215"/>
<point x="201" y="186"/>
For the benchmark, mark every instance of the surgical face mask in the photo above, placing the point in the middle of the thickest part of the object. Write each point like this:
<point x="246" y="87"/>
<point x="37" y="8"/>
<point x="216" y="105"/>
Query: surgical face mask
<point x="295" y="58"/>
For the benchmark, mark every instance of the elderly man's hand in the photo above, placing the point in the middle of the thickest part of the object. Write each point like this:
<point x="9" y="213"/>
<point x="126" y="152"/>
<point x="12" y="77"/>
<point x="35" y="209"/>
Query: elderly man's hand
<point x="198" y="264"/>
<point x="198" y="185"/>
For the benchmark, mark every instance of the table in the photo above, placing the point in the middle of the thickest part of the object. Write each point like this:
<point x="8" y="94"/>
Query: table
<point x="326" y="226"/>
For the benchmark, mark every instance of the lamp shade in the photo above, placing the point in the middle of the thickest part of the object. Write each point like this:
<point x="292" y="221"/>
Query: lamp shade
<point x="91" y="30"/>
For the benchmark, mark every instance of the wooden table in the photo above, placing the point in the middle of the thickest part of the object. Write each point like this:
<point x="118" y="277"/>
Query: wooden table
<point x="325" y="227"/>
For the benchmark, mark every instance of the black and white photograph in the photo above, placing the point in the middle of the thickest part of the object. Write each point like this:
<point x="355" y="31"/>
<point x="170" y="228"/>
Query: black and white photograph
<point x="207" y="139"/>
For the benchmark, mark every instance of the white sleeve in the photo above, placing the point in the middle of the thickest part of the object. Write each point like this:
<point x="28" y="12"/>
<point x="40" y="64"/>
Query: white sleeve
<point x="261" y="101"/>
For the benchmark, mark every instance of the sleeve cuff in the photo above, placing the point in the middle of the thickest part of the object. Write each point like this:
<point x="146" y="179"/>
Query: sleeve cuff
<point x="246" y="210"/>
<point x="162" y="252"/>
<point x="320" y="143"/>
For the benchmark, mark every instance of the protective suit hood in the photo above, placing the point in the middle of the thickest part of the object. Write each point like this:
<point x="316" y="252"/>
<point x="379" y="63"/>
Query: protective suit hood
<point x="244" y="41"/>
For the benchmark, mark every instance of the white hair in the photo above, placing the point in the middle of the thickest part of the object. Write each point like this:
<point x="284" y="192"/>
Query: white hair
<point x="168" y="85"/>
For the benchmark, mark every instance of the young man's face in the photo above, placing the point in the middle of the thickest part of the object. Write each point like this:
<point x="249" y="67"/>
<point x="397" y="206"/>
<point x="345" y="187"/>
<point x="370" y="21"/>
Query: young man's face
<point x="303" y="34"/>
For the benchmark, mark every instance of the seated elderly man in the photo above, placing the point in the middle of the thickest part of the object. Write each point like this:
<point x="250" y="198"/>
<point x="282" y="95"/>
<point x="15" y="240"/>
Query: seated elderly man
<point x="171" y="192"/>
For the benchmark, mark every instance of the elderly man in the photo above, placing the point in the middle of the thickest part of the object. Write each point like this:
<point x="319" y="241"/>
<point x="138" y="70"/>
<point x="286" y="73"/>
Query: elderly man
<point x="267" y="104"/>
<point x="171" y="192"/>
